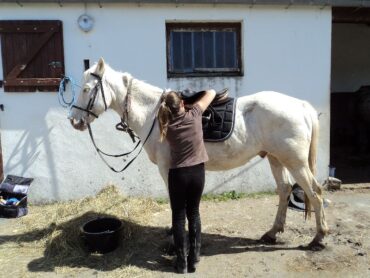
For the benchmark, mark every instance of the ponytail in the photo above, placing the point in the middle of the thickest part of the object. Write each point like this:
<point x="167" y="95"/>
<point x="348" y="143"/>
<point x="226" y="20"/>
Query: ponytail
<point x="164" y="115"/>
<point x="170" y="105"/>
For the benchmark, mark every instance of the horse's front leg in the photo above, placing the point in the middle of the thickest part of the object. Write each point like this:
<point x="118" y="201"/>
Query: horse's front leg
<point x="163" y="160"/>
<point x="284" y="189"/>
<point x="163" y="170"/>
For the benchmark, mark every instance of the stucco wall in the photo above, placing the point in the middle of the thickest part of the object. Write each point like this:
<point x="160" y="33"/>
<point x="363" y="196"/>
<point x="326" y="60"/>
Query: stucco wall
<point x="286" y="50"/>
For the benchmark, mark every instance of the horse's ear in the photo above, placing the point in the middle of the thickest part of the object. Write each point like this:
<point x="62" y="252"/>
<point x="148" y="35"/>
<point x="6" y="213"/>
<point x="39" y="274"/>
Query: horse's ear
<point x="100" y="67"/>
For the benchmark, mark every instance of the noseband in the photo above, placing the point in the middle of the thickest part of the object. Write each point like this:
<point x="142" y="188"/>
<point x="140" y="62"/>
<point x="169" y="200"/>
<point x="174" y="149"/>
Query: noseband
<point x="95" y="90"/>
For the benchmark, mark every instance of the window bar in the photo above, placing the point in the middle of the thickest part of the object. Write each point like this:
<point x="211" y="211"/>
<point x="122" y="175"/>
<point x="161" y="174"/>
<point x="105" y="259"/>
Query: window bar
<point x="192" y="52"/>
<point x="224" y="48"/>
<point x="203" y="48"/>
<point x="214" y="49"/>
<point x="172" y="59"/>
<point x="182" y="50"/>
<point x="234" y="50"/>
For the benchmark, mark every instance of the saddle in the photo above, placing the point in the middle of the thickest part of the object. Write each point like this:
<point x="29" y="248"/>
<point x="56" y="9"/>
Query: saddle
<point x="218" y="119"/>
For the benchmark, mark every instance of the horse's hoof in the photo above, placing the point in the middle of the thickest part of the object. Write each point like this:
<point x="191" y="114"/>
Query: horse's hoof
<point x="268" y="239"/>
<point x="316" y="246"/>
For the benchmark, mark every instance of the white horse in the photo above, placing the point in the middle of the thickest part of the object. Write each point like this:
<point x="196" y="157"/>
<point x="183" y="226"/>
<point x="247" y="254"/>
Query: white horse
<point x="271" y="124"/>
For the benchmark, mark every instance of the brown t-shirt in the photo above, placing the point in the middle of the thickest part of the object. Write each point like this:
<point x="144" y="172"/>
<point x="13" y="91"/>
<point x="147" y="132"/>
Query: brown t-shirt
<point x="185" y="136"/>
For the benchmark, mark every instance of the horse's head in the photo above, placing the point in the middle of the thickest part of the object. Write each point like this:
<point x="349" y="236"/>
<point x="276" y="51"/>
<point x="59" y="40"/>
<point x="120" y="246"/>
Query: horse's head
<point x="93" y="98"/>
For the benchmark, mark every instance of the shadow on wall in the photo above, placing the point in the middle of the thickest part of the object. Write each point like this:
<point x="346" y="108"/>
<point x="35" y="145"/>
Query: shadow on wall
<point x="29" y="150"/>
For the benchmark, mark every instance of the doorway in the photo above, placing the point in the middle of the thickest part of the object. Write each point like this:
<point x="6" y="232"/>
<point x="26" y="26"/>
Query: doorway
<point x="1" y="162"/>
<point x="350" y="95"/>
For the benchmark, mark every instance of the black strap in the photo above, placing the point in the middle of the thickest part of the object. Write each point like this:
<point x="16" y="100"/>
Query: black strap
<point x="123" y="126"/>
<point x="87" y="111"/>
<point x="90" y="105"/>
<point x="107" y="154"/>
<point x="101" y="88"/>
<point x="101" y="153"/>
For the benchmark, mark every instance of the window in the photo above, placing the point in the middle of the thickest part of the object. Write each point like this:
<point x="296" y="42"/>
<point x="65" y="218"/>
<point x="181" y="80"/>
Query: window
<point x="203" y="49"/>
<point x="32" y="55"/>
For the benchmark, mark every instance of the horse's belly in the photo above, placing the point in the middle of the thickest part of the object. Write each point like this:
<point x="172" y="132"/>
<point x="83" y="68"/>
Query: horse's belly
<point x="224" y="157"/>
<point x="234" y="152"/>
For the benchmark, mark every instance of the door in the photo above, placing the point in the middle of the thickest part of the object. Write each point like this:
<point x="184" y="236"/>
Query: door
<point x="1" y="162"/>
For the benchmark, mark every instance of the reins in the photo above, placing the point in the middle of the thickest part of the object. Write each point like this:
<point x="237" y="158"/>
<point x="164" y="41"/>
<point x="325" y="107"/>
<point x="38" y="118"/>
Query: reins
<point x="121" y="126"/>
<point x="101" y="153"/>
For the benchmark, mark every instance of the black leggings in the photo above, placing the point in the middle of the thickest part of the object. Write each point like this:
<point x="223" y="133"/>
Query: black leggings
<point x="186" y="186"/>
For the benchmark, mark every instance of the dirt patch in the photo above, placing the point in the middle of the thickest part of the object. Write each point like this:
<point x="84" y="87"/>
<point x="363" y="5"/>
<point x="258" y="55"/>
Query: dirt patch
<point x="231" y="230"/>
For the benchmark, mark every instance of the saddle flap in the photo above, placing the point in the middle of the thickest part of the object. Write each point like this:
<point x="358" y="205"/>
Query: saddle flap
<point x="218" y="121"/>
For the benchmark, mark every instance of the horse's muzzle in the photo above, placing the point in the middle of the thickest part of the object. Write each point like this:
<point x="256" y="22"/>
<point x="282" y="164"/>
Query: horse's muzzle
<point x="79" y="125"/>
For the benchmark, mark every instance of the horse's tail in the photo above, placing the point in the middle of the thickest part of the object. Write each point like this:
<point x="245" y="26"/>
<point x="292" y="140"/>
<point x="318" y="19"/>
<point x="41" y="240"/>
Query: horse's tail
<point x="312" y="155"/>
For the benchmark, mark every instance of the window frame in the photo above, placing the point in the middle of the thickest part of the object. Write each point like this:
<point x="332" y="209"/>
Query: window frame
<point x="205" y="26"/>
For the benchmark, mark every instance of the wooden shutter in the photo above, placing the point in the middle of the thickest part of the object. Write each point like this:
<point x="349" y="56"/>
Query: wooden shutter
<point x="32" y="53"/>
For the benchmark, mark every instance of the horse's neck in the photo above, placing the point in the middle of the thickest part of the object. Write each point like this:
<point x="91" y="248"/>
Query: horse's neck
<point x="143" y="106"/>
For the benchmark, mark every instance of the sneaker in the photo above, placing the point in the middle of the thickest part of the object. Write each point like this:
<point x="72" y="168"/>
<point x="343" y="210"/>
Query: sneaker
<point x="296" y="199"/>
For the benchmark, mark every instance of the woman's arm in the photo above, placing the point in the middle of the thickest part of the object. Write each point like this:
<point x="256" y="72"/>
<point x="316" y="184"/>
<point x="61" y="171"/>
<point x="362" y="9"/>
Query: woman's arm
<point x="206" y="99"/>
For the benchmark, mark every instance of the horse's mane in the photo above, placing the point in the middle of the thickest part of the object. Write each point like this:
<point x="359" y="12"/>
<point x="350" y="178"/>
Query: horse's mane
<point x="143" y="85"/>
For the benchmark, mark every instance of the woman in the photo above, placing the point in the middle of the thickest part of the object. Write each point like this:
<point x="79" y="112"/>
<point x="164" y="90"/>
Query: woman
<point x="182" y="128"/>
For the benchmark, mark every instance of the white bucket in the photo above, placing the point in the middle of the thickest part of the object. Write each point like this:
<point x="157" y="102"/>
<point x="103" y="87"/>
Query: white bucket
<point x="331" y="171"/>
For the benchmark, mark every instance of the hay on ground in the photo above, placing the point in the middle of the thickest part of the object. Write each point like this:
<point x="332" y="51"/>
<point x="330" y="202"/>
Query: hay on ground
<point x="53" y="230"/>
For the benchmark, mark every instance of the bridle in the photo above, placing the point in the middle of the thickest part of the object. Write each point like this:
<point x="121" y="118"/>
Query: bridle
<point x="121" y="126"/>
<point x="92" y="99"/>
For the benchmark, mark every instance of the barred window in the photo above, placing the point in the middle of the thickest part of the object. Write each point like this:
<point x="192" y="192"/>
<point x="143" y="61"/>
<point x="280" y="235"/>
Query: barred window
<point x="203" y="49"/>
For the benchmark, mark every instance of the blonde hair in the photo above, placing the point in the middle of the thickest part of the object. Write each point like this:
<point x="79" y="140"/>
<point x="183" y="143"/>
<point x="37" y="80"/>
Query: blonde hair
<point x="170" y="105"/>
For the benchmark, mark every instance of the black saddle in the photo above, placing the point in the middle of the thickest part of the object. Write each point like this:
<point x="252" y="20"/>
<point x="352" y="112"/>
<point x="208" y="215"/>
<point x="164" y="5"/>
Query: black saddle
<point x="218" y="119"/>
<point x="190" y="96"/>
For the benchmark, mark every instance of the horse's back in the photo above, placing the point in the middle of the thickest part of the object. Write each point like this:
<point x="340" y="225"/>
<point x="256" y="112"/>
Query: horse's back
<point x="271" y="107"/>
<point x="276" y="121"/>
<point x="273" y="100"/>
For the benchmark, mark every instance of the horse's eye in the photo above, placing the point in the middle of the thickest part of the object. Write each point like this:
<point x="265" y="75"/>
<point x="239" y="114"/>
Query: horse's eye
<point x="86" y="90"/>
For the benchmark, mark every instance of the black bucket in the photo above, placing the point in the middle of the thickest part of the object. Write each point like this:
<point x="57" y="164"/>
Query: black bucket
<point x="102" y="235"/>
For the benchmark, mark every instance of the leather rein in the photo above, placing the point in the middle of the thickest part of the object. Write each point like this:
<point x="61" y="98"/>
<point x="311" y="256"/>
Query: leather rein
<point x="121" y="126"/>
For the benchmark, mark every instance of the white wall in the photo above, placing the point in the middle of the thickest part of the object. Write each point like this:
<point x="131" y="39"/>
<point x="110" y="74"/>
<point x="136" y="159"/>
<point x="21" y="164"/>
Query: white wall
<point x="286" y="50"/>
<point x="351" y="57"/>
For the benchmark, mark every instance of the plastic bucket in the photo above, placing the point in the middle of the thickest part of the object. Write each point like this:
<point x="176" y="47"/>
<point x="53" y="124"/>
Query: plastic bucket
<point x="102" y="235"/>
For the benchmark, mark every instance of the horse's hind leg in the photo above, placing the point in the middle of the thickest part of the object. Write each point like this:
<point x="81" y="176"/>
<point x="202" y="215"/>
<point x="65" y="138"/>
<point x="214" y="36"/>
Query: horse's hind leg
<point x="284" y="189"/>
<point x="312" y="188"/>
